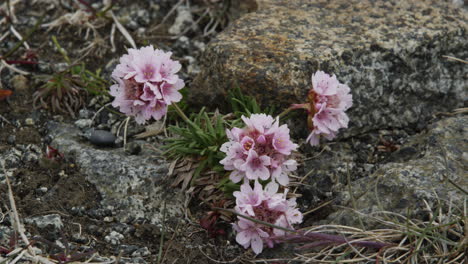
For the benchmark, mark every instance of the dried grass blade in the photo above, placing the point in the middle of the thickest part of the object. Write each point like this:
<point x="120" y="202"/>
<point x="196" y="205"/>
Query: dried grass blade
<point x="17" y="224"/>
<point x="123" y="30"/>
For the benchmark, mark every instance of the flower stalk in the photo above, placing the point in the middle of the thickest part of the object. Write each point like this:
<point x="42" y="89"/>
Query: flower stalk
<point x="184" y="117"/>
<point x="316" y="239"/>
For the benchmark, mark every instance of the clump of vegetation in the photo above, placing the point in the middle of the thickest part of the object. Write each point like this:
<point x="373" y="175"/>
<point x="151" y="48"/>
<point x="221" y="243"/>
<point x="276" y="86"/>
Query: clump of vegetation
<point x="64" y="91"/>
<point x="195" y="148"/>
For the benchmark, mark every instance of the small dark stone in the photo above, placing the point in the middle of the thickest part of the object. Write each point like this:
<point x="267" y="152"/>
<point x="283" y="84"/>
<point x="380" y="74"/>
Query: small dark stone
<point x="95" y="230"/>
<point x="126" y="249"/>
<point x="11" y="139"/>
<point x="404" y="154"/>
<point x="102" y="138"/>
<point x="133" y="148"/>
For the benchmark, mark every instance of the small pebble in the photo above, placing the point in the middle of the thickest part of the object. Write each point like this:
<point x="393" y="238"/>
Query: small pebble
<point x="29" y="122"/>
<point x="84" y="123"/>
<point x="20" y="83"/>
<point x="11" y="139"/>
<point x="85" y="114"/>
<point x="142" y="252"/>
<point x="102" y="138"/>
<point x="133" y="148"/>
<point x="41" y="190"/>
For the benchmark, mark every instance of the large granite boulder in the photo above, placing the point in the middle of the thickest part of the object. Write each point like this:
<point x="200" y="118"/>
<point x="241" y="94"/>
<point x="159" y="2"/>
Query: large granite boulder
<point x="391" y="54"/>
<point x="426" y="173"/>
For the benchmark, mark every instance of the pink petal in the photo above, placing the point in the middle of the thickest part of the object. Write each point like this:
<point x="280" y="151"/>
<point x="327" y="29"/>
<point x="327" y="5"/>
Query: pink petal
<point x="263" y="173"/>
<point x="257" y="244"/>
<point x="243" y="238"/>
<point x="236" y="176"/>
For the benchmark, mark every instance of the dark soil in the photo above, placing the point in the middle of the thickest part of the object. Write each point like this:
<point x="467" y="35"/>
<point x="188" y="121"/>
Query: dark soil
<point x="42" y="187"/>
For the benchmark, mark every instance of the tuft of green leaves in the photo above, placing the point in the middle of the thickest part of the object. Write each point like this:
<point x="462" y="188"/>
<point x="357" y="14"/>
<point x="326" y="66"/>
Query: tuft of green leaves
<point x="245" y="105"/>
<point x="204" y="133"/>
<point x="201" y="140"/>
<point x="64" y="91"/>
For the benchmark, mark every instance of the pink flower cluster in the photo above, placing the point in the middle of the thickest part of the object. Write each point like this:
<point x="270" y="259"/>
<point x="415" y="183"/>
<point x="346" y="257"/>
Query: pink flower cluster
<point x="146" y="83"/>
<point x="265" y="205"/>
<point x="330" y="101"/>
<point x="259" y="151"/>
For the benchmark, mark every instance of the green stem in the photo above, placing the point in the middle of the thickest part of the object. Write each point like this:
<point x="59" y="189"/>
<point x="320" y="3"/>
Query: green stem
<point x="285" y="112"/>
<point x="161" y="242"/>
<point x="61" y="50"/>
<point x="183" y="116"/>
<point x="28" y="35"/>
<point x="103" y="12"/>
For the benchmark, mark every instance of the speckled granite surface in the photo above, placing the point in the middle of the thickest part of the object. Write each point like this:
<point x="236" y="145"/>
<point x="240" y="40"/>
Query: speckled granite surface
<point x="388" y="52"/>
<point x="406" y="186"/>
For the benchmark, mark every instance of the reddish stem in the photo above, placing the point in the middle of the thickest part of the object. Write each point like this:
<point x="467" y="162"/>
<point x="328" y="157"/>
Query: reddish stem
<point x="321" y="239"/>
<point x="90" y="8"/>
<point x="21" y="62"/>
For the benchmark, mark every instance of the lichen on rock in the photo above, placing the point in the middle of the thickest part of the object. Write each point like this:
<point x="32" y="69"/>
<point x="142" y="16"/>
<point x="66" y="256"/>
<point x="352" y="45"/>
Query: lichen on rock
<point x="389" y="52"/>
<point x="418" y="183"/>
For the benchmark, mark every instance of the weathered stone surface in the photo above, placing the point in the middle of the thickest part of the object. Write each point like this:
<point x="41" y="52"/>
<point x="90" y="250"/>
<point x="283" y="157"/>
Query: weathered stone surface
<point x="52" y="224"/>
<point x="131" y="187"/>
<point x="414" y="177"/>
<point x="389" y="52"/>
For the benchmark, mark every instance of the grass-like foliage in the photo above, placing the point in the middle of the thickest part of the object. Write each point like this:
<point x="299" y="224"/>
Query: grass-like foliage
<point x="64" y="91"/>
<point x="201" y="141"/>
<point x="200" y="138"/>
<point x="244" y="104"/>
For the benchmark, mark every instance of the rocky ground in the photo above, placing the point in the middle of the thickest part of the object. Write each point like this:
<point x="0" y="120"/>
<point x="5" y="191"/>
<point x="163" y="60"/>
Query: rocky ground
<point x="405" y="151"/>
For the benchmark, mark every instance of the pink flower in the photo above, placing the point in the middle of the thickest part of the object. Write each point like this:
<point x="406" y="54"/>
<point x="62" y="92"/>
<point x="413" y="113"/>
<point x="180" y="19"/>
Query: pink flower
<point x="170" y="92"/>
<point x="250" y="234"/>
<point x="235" y="153"/>
<point x="266" y="205"/>
<point x="248" y="198"/>
<point x="323" y="84"/>
<point x="146" y="83"/>
<point x="256" y="166"/>
<point x="281" y="141"/>
<point x="259" y="122"/>
<point x="258" y="150"/>
<point x="329" y="101"/>
<point x="281" y="170"/>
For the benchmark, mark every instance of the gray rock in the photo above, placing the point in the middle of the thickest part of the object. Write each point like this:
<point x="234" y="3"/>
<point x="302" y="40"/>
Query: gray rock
<point x="11" y="139"/>
<point x="131" y="187"/>
<point x="83" y="123"/>
<point x="406" y="184"/>
<point x="44" y="221"/>
<point x="5" y="233"/>
<point x="114" y="238"/>
<point x="389" y="52"/>
<point x="12" y="157"/>
<point x="183" y="20"/>
<point x="126" y="249"/>
<point x="50" y="226"/>
<point x="41" y="190"/>
<point x="20" y="83"/>
<point x="102" y="138"/>
<point x="85" y="114"/>
<point x="133" y="148"/>
<point x="143" y="17"/>
<point x="142" y="252"/>
<point x="80" y="239"/>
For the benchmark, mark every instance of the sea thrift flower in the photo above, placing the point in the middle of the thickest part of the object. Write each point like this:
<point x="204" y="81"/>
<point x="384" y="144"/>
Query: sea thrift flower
<point x="259" y="151"/>
<point x="146" y="83"/>
<point x="328" y="101"/>
<point x="265" y="205"/>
